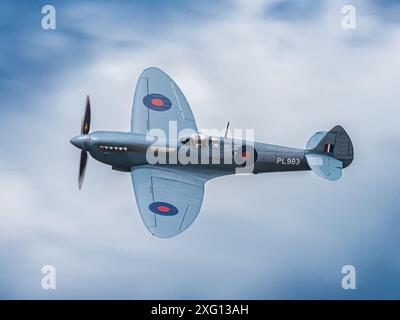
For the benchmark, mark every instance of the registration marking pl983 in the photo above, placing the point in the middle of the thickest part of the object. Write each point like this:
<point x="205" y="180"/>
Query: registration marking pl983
<point x="288" y="161"/>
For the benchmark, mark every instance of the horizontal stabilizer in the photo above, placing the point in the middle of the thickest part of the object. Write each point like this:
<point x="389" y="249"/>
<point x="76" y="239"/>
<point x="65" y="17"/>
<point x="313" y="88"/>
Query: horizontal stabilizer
<point x="325" y="166"/>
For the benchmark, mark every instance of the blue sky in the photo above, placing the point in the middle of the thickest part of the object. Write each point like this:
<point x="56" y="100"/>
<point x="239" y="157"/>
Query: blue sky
<point x="283" y="68"/>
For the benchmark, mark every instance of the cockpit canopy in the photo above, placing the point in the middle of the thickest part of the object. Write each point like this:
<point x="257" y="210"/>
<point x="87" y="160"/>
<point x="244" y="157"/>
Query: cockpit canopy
<point x="197" y="140"/>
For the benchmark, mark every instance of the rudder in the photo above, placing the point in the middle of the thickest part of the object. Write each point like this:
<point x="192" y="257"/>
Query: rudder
<point x="336" y="143"/>
<point x="329" y="152"/>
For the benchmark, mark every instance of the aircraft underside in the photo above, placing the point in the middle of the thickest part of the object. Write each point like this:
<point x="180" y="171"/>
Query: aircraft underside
<point x="169" y="177"/>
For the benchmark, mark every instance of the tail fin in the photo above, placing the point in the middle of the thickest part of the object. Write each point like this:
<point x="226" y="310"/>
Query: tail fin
<point x="329" y="152"/>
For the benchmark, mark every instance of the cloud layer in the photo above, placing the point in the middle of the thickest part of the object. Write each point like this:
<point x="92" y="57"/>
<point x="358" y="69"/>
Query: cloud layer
<point x="286" y="72"/>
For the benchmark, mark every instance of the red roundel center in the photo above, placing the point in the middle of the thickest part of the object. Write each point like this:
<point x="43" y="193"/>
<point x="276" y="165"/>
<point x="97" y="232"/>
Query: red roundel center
<point x="246" y="155"/>
<point x="164" y="209"/>
<point x="157" y="102"/>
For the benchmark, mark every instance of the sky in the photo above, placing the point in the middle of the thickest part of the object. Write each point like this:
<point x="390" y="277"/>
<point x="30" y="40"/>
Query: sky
<point x="283" y="68"/>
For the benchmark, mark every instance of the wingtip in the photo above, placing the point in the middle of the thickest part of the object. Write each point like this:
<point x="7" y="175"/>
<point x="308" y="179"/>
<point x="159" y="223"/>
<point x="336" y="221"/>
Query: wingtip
<point x="161" y="235"/>
<point x="153" y="70"/>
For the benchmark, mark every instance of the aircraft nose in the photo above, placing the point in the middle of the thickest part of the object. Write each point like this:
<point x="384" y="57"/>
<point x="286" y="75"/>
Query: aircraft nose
<point x="81" y="142"/>
<point x="75" y="141"/>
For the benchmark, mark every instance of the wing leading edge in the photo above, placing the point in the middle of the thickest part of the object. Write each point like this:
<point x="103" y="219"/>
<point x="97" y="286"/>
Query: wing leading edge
<point x="169" y="200"/>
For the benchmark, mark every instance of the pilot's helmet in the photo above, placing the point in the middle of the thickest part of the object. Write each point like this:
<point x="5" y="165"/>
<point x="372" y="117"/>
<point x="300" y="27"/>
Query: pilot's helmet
<point x="199" y="140"/>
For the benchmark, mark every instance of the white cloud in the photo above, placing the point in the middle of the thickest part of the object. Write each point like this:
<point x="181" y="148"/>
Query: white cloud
<point x="254" y="234"/>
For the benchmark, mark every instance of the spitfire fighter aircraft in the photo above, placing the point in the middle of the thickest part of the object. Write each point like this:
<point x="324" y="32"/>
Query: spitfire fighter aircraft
<point x="169" y="168"/>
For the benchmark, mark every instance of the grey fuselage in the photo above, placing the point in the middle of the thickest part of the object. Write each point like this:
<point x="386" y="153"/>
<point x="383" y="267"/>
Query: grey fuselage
<point x="125" y="150"/>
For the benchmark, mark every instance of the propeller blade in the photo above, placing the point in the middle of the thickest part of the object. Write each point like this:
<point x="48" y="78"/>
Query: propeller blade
<point x="86" y="120"/>
<point x="82" y="168"/>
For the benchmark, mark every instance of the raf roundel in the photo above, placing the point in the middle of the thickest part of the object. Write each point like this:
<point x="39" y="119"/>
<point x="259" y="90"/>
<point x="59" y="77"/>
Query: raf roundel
<point x="157" y="102"/>
<point x="163" y="208"/>
<point x="248" y="153"/>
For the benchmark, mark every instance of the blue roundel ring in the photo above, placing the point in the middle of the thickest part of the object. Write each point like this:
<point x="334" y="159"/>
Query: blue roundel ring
<point x="157" y="102"/>
<point x="163" y="208"/>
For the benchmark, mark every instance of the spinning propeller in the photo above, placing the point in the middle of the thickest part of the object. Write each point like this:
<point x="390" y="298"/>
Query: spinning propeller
<point x="83" y="142"/>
